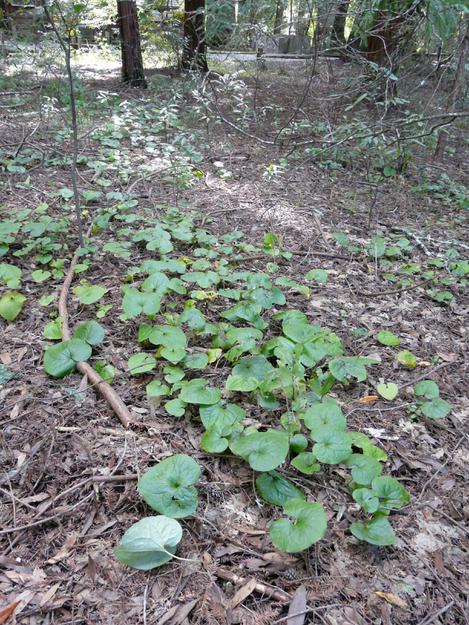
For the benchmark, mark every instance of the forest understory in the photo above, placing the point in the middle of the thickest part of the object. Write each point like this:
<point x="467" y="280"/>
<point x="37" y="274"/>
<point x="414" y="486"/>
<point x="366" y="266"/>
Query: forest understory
<point x="69" y="467"/>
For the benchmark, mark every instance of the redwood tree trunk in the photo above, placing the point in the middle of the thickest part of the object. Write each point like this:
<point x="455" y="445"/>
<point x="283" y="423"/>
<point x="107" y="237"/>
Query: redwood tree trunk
<point x="194" y="56"/>
<point x="455" y="90"/>
<point x="279" y="13"/>
<point x="132" y="64"/>
<point x="338" y="26"/>
<point x="380" y="40"/>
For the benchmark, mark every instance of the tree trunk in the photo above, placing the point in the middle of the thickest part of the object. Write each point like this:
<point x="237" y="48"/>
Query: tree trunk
<point x="379" y="40"/>
<point x="338" y="26"/>
<point x="303" y="18"/>
<point x="279" y="14"/>
<point x="132" y="64"/>
<point x="453" y="96"/>
<point x="194" y="56"/>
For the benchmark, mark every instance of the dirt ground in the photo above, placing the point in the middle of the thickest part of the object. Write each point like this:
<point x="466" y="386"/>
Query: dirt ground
<point x="67" y="487"/>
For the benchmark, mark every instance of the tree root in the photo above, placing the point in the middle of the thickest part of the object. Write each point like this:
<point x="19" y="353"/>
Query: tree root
<point x="94" y="378"/>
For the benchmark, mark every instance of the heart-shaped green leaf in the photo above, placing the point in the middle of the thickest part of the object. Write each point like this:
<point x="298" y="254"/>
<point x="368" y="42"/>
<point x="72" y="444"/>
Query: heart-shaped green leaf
<point x="317" y="275"/>
<point x="168" y="486"/>
<point x="10" y="275"/>
<point x="350" y="367"/>
<point x="387" y="338"/>
<point x="241" y="384"/>
<point x="196" y="361"/>
<point x="149" y="543"/>
<point x="53" y="330"/>
<point x="156" y="389"/>
<point x="61" y="359"/>
<point x="156" y="282"/>
<point x="197" y="392"/>
<point x="264" y="451"/>
<point x="406" y="358"/>
<point x="276" y="489"/>
<point x="11" y="304"/>
<point x="90" y="331"/>
<point x="299" y="331"/>
<point x="309" y="525"/>
<point x="327" y="413"/>
<point x="141" y="363"/>
<point x="257" y="367"/>
<point x="89" y="293"/>
<point x="222" y="417"/>
<point x="168" y="336"/>
<point x="364" y="469"/>
<point x="298" y="443"/>
<point x="332" y="446"/>
<point x="306" y="462"/>
<point x="391" y="493"/>
<point x="427" y="388"/>
<point x="40" y="275"/>
<point x="174" y="354"/>
<point x="105" y="370"/>
<point x="378" y="531"/>
<point x="388" y="390"/>
<point x="366" y="499"/>
<point x="137" y="302"/>
<point x="175" y="407"/>
<point x="436" y="408"/>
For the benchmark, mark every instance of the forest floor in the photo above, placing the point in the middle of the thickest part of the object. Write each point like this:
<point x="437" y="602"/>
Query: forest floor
<point x="67" y="487"/>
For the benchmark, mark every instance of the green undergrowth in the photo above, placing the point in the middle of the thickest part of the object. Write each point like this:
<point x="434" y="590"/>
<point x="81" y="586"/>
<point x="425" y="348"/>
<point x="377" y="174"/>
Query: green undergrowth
<point x="229" y="348"/>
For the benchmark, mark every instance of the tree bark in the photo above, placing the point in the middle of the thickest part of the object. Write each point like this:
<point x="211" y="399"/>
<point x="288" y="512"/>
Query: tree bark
<point x="132" y="64"/>
<point x="279" y="14"/>
<point x="453" y="96"/>
<point x="338" y="26"/>
<point x="380" y="40"/>
<point x="194" y="56"/>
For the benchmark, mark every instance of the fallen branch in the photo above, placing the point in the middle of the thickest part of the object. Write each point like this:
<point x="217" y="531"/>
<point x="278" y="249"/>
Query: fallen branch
<point x="103" y="387"/>
<point x="268" y="591"/>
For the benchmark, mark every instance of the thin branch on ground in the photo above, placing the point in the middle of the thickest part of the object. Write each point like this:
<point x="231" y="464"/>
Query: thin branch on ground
<point x="263" y="589"/>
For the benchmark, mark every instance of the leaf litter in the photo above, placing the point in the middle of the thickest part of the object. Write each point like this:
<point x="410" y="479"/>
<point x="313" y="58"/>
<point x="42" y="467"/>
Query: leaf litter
<point x="46" y="568"/>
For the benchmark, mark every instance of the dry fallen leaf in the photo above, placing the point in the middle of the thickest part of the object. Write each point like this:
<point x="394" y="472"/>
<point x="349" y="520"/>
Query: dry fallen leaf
<point x="64" y="551"/>
<point x="242" y="594"/>
<point x="178" y="614"/>
<point x="47" y="596"/>
<point x="297" y="609"/>
<point x="5" y="357"/>
<point x="251" y="531"/>
<point x="5" y="613"/>
<point x="391" y="598"/>
<point x="368" y="399"/>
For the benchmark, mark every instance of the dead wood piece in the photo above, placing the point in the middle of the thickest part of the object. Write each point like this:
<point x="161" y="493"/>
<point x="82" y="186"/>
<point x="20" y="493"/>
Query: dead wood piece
<point x="269" y="591"/>
<point x="96" y="380"/>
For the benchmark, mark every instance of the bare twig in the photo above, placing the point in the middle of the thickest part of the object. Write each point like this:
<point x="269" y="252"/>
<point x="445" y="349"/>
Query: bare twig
<point x="11" y="530"/>
<point x="427" y="374"/>
<point x="315" y="609"/>
<point x="268" y="591"/>
<point x="432" y="617"/>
